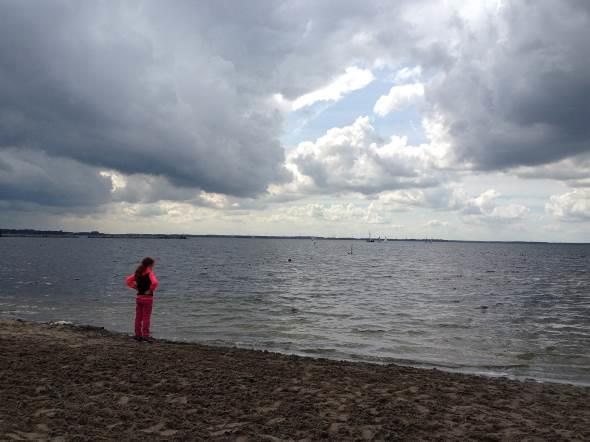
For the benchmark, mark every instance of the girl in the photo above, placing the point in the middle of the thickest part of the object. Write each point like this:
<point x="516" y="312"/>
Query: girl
<point x="145" y="282"/>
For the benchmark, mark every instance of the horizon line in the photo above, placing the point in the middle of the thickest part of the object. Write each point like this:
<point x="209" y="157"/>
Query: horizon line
<point x="97" y="234"/>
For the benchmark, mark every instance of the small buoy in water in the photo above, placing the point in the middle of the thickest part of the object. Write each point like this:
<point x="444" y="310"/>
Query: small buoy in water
<point x="289" y="260"/>
<point x="484" y="307"/>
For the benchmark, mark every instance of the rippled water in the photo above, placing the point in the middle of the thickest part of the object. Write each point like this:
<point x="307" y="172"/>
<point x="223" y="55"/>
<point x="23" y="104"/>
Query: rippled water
<point x="521" y="310"/>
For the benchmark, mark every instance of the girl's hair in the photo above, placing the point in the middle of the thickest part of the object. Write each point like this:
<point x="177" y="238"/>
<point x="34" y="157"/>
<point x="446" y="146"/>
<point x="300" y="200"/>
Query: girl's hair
<point x="145" y="263"/>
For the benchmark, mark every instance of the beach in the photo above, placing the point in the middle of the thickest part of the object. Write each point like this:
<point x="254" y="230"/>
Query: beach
<point x="64" y="382"/>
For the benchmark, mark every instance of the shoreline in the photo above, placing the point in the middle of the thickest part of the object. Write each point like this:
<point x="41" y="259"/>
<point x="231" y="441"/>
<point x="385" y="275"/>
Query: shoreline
<point x="68" y="382"/>
<point x="351" y="358"/>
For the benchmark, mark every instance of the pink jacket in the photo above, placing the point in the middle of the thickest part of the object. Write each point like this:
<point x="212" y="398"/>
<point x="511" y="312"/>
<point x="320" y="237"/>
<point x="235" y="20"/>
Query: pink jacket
<point x="133" y="285"/>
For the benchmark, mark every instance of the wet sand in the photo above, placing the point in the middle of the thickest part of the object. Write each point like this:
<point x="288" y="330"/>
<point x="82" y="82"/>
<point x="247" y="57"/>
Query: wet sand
<point x="82" y="383"/>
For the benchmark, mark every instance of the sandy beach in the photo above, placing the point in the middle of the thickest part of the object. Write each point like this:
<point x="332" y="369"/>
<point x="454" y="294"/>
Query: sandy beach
<point x="60" y="382"/>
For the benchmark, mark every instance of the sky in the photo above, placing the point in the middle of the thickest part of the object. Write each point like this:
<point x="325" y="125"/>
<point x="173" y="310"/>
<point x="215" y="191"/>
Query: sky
<point x="407" y="119"/>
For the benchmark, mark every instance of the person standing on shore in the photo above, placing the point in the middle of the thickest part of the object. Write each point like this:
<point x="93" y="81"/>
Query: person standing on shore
<point x="145" y="282"/>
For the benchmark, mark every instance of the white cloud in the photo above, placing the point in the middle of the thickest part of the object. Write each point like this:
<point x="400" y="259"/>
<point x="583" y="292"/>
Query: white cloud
<point x="435" y="223"/>
<point x="408" y="74"/>
<point x="571" y="206"/>
<point x="484" y="204"/>
<point x="353" y="79"/>
<point x="356" y="213"/>
<point x="320" y="212"/>
<point x="485" y="208"/>
<point x="509" y="212"/>
<point x="356" y="159"/>
<point x="376" y="214"/>
<point x="398" y="97"/>
<point x="438" y="198"/>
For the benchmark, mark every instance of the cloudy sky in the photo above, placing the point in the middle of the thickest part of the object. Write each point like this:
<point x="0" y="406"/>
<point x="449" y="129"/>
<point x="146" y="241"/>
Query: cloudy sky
<point x="418" y="118"/>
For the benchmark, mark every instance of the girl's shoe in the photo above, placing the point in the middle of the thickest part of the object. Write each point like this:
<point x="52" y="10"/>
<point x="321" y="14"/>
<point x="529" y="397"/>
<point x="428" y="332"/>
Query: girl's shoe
<point x="138" y="338"/>
<point x="149" y="339"/>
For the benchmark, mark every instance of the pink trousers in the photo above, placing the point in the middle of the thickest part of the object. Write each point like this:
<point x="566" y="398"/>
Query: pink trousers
<point x="143" y="314"/>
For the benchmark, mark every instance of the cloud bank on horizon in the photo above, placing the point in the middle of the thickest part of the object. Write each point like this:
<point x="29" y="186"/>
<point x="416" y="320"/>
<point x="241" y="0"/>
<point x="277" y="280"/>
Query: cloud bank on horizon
<point x="417" y="118"/>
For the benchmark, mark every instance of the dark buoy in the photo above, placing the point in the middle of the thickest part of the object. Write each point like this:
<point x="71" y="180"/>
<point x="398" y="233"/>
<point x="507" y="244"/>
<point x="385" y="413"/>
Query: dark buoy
<point x="289" y="260"/>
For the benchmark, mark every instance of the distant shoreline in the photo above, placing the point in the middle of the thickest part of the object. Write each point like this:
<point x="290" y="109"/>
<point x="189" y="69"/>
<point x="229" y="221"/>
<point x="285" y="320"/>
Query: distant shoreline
<point x="31" y="233"/>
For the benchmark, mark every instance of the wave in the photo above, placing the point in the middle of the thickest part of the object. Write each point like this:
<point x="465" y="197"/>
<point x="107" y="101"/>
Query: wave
<point x="452" y="325"/>
<point x="368" y="331"/>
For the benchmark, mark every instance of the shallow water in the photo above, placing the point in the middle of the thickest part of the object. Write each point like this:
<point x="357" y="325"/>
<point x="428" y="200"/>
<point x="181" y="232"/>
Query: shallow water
<point x="520" y="310"/>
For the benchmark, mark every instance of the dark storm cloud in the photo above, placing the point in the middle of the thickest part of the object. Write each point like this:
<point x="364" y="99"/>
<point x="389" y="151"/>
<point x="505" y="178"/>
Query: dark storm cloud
<point x="177" y="91"/>
<point x="149" y="189"/>
<point x="94" y="83"/>
<point x="517" y="91"/>
<point x="574" y="171"/>
<point x="33" y="177"/>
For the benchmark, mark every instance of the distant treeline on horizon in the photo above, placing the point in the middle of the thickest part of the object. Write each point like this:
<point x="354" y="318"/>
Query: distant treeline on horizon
<point x="97" y="234"/>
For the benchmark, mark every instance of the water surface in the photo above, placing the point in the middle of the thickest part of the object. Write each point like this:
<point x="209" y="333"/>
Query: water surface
<point x="520" y="310"/>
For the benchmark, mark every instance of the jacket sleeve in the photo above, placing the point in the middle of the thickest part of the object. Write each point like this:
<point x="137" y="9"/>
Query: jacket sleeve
<point x="131" y="281"/>
<point x="154" y="284"/>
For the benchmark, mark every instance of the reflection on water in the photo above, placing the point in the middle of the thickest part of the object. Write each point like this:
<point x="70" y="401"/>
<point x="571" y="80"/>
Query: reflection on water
<point x="506" y="309"/>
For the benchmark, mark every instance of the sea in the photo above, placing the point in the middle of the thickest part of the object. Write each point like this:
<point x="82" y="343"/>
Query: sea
<point x="520" y="311"/>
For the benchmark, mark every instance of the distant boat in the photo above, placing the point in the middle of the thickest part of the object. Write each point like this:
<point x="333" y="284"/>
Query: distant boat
<point x="378" y="239"/>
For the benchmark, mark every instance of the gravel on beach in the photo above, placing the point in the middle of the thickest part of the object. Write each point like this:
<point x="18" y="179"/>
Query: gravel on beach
<point x="63" y="382"/>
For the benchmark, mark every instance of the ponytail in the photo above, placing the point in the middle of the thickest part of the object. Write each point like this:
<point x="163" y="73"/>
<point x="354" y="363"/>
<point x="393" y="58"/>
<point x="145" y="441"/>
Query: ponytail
<point x="145" y="263"/>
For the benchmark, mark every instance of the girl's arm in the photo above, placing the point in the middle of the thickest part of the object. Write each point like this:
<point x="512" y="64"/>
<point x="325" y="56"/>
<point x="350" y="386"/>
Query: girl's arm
<point x="131" y="283"/>
<point x="154" y="284"/>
